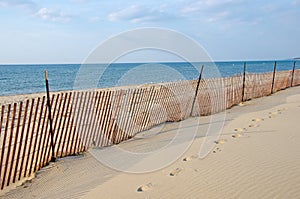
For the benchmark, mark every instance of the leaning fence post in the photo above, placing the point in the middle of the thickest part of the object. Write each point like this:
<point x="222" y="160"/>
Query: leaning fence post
<point x="244" y="81"/>
<point x="273" y="81"/>
<point x="49" y="116"/>
<point x="196" y="92"/>
<point x="293" y="72"/>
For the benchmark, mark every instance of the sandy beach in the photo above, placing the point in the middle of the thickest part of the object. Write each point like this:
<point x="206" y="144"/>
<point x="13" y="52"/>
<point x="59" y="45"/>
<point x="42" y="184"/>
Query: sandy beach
<point x="256" y="156"/>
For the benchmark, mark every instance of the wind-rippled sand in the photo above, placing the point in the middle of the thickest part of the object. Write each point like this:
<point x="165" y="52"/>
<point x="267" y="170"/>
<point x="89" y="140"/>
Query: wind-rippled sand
<point x="257" y="156"/>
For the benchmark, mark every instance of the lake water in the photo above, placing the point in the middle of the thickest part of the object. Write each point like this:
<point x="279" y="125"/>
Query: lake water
<point x="22" y="79"/>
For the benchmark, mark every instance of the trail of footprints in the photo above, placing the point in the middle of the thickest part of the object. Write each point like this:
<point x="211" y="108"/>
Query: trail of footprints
<point x="238" y="133"/>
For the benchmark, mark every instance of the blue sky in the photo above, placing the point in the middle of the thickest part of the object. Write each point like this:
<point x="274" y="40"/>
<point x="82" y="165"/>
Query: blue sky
<point x="65" y="31"/>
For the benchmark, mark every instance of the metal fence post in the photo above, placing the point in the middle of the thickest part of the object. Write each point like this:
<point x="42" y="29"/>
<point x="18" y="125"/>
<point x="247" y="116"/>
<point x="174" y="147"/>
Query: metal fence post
<point x="293" y="72"/>
<point x="49" y="116"/>
<point x="196" y="91"/>
<point x="273" y="81"/>
<point x="244" y="81"/>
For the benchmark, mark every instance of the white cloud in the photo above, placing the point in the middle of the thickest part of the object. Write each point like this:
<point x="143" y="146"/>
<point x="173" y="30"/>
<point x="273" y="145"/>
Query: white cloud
<point x="218" y="16"/>
<point x="52" y="15"/>
<point x="201" y="5"/>
<point x="18" y="3"/>
<point x="125" y="14"/>
<point x="138" y="14"/>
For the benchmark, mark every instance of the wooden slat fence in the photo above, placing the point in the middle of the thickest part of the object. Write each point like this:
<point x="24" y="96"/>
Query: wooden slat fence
<point x="83" y="119"/>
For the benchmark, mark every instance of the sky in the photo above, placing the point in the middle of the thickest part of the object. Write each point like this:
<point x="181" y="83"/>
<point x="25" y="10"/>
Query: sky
<point x="66" y="31"/>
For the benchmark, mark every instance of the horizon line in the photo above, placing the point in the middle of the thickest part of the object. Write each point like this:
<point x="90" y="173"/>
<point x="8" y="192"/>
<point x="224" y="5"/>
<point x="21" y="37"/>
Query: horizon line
<point x="145" y="62"/>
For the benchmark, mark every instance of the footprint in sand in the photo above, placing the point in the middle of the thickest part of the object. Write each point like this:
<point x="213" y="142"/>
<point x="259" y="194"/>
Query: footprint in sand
<point x="217" y="150"/>
<point x="237" y="135"/>
<point x="240" y="129"/>
<point x="145" y="187"/>
<point x="274" y="114"/>
<point x="239" y="132"/>
<point x="190" y="158"/>
<point x="253" y="125"/>
<point x="175" y="172"/>
<point x="282" y="109"/>
<point x="257" y="119"/>
<point x="221" y="141"/>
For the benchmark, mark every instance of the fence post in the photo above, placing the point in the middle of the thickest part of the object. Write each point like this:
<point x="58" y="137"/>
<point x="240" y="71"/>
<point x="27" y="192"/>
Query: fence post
<point x="49" y="116"/>
<point x="273" y="81"/>
<point x="244" y="81"/>
<point x="196" y="92"/>
<point x="293" y="73"/>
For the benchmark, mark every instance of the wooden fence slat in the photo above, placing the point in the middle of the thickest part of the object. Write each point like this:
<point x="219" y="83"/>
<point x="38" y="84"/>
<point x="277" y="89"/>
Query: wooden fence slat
<point x="116" y="118"/>
<point x="145" y="108"/>
<point x="139" y="111"/>
<point x="110" y="122"/>
<point x="127" y="122"/>
<point x="42" y="134"/>
<point x="106" y="119"/>
<point x="26" y="141"/>
<point x="150" y="105"/>
<point x="14" y="162"/>
<point x="135" y="99"/>
<point x="63" y="134"/>
<point x="82" y="116"/>
<point x="9" y="147"/>
<point x="155" y="101"/>
<point x="1" y="118"/>
<point x="98" y="131"/>
<point x="107" y="109"/>
<point x="97" y="118"/>
<point x="101" y="136"/>
<point x="21" y="141"/>
<point x="132" y="98"/>
<point x="46" y="146"/>
<point x="37" y="133"/>
<point x="56" y="121"/>
<point x="94" y="118"/>
<point x="70" y="136"/>
<point x="76" y="118"/>
<point x="115" y="112"/>
<point x="31" y="138"/>
<point x="3" y="144"/>
<point x="78" y="122"/>
<point x="120" y="115"/>
<point x="159" y="102"/>
<point x="85" y="120"/>
<point x="90" y="111"/>
<point x="135" y="111"/>
<point x="123" y="115"/>
<point x="59" y="130"/>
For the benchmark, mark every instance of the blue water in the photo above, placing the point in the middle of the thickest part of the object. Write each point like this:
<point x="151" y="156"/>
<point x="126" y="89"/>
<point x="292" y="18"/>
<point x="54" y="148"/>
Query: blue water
<point x="22" y="79"/>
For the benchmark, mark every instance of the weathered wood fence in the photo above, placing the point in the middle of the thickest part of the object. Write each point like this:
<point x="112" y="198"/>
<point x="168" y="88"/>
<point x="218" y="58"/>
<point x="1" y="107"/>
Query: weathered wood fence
<point x="103" y="117"/>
